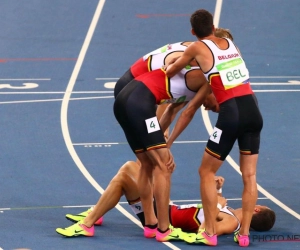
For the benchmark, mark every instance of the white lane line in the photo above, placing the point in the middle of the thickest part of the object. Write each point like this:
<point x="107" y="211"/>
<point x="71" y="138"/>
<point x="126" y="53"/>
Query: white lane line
<point x="108" y="97"/>
<point x="98" y="79"/>
<point x="100" y="143"/>
<point x="276" y="90"/>
<point x="64" y="115"/>
<point x="121" y="202"/>
<point x="69" y="90"/>
<point x="235" y="166"/>
<point x="57" y="100"/>
<point x="122" y="143"/>
<point x="218" y="12"/>
<point x="273" y="83"/>
<point x="110" y="91"/>
<point x="57" y="92"/>
<point x="25" y="79"/>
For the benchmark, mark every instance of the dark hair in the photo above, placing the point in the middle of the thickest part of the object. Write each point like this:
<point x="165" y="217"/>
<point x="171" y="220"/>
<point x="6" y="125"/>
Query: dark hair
<point x="263" y="221"/>
<point x="202" y="23"/>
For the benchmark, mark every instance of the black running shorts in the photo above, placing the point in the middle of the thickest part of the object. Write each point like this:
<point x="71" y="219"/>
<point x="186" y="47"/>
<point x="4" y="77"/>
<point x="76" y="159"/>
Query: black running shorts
<point x="122" y="82"/>
<point x="239" y="119"/>
<point x="135" y="110"/>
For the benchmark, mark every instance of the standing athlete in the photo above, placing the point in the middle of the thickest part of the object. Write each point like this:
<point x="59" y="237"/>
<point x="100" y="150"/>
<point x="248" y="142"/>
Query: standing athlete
<point x="135" y="110"/>
<point x="239" y="119"/>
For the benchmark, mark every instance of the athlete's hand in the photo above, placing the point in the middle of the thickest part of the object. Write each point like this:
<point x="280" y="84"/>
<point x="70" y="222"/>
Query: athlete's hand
<point x="164" y="67"/>
<point x="169" y="63"/>
<point x="166" y="135"/>
<point x="219" y="182"/>
<point x="169" y="144"/>
<point x="210" y="103"/>
<point x="171" y="163"/>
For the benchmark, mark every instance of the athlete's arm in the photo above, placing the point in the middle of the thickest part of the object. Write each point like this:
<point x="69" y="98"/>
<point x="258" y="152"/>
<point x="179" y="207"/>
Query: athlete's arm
<point x="181" y="62"/>
<point x="226" y="223"/>
<point x="219" y="184"/>
<point x="187" y="115"/>
<point x="159" y="112"/>
<point x="169" y="114"/>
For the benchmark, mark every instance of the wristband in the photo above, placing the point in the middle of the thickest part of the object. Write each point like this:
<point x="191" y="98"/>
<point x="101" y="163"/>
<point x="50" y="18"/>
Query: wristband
<point x="219" y="206"/>
<point x="219" y="191"/>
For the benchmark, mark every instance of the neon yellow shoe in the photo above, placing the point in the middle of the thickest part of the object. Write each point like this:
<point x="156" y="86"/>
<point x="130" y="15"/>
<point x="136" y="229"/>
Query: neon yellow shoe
<point x="78" y="229"/>
<point x="201" y="237"/>
<point x="171" y="234"/>
<point x="82" y="215"/>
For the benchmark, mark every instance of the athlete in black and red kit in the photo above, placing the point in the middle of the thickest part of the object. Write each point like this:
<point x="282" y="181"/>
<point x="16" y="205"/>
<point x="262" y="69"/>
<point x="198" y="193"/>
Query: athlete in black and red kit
<point x="135" y="110"/>
<point x="239" y="119"/>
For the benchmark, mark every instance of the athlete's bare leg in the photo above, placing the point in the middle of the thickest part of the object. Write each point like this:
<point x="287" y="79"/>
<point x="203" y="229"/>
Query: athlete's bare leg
<point x="123" y="183"/>
<point x="207" y="172"/>
<point x="162" y="183"/>
<point x="249" y="197"/>
<point x="145" y="187"/>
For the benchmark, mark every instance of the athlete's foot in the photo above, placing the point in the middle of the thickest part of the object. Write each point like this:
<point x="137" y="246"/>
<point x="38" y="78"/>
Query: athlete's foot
<point x="150" y="231"/>
<point x="201" y="237"/>
<point x="82" y="215"/>
<point x="242" y="240"/>
<point x="171" y="234"/>
<point x="78" y="229"/>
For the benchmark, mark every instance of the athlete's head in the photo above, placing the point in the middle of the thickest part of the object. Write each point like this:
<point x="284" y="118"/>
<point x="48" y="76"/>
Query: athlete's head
<point x="263" y="218"/>
<point x="202" y="23"/>
<point x="220" y="32"/>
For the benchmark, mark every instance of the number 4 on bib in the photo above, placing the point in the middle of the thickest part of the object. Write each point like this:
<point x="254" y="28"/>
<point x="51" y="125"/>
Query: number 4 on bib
<point x="152" y="124"/>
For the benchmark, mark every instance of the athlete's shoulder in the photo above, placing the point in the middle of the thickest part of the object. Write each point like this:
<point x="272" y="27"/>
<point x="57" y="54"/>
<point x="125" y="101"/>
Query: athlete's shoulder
<point x="196" y="48"/>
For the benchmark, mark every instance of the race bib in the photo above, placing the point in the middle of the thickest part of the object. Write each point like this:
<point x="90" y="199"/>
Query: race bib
<point x="233" y="73"/>
<point x="152" y="125"/>
<point x="216" y="135"/>
<point x="137" y="208"/>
